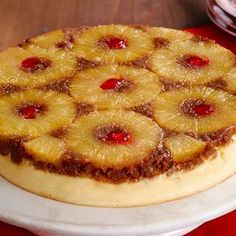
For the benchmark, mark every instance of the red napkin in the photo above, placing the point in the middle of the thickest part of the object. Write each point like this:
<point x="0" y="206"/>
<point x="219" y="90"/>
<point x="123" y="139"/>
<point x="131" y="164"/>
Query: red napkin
<point x="224" y="225"/>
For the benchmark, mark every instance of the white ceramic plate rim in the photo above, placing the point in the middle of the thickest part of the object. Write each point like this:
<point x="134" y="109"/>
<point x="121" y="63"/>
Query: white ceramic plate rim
<point x="214" y="209"/>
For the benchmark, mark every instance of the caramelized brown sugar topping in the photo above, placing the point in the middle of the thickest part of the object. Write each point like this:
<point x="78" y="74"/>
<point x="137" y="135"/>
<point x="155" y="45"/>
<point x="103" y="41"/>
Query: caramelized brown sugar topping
<point x="116" y="102"/>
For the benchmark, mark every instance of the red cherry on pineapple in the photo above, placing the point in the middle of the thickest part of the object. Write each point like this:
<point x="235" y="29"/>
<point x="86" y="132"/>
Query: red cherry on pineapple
<point x="118" y="137"/>
<point x="111" y="84"/>
<point x="29" y="112"/>
<point x="203" y="109"/>
<point x="30" y="62"/>
<point x="196" y="61"/>
<point x="116" y="43"/>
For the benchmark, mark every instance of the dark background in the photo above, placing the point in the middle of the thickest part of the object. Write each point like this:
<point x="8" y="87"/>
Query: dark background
<point x="20" y="19"/>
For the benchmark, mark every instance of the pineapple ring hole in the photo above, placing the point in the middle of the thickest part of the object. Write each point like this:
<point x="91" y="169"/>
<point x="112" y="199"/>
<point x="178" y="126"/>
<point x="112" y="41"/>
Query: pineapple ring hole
<point x="112" y="134"/>
<point x="197" y="108"/>
<point x="117" y="85"/>
<point x="113" y="42"/>
<point x="192" y="61"/>
<point x="35" y="64"/>
<point x="161" y="42"/>
<point x="30" y="110"/>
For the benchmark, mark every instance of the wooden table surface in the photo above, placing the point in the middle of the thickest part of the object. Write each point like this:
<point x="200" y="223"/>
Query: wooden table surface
<point x="20" y="19"/>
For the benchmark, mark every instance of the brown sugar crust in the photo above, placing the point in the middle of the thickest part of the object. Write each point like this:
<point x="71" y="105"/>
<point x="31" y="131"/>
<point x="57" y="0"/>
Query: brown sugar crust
<point x="85" y="64"/>
<point x="216" y="138"/>
<point x="139" y="27"/>
<point x="170" y="85"/>
<point x="24" y="43"/>
<point x="10" y="88"/>
<point x="198" y="38"/>
<point x="161" y="43"/>
<point x="217" y="84"/>
<point x="144" y="109"/>
<point x="61" y="86"/>
<point x="157" y="162"/>
<point x="64" y="44"/>
<point x="140" y="62"/>
<point x="83" y="109"/>
<point x="59" y="133"/>
<point x="219" y="137"/>
<point x="13" y="147"/>
<point x="70" y="35"/>
<point x="169" y="133"/>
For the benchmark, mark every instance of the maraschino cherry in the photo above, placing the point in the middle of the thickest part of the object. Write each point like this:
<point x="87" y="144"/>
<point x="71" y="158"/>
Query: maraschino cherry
<point x="195" y="61"/>
<point x="117" y="137"/>
<point x="30" y="111"/>
<point x="33" y="64"/>
<point x="116" y="42"/>
<point x="203" y="109"/>
<point x="197" y="108"/>
<point x="111" y="84"/>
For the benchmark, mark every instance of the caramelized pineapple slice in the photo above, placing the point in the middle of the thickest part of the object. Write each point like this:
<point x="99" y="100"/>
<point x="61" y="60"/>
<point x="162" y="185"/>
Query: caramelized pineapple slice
<point x="184" y="148"/>
<point x="113" y="43"/>
<point x="192" y="62"/>
<point x="33" y="113"/>
<point x="59" y="39"/>
<point x="165" y="38"/>
<point x="45" y="149"/>
<point x="35" y="66"/>
<point x="48" y="40"/>
<point x="113" y="138"/>
<point x="115" y="86"/>
<point x="230" y="79"/>
<point x="199" y="110"/>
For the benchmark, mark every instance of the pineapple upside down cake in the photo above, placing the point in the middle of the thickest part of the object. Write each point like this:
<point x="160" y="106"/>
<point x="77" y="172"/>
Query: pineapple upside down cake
<point x="117" y="115"/>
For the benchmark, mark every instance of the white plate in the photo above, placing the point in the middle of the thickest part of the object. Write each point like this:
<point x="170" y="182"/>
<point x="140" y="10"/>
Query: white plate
<point x="44" y="216"/>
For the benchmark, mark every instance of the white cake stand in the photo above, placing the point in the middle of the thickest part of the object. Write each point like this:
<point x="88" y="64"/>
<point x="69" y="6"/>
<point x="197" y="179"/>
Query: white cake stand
<point x="47" y="217"/>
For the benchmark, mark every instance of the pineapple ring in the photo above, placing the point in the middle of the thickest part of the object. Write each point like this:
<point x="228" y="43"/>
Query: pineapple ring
<point x="63" y="64"/>
<point x="139" y="44"/>
<point x="230" y="79"/>
<point x="81" y="139"/>
<point x="184" y="148"/>
<point x="164" y="62"/>
<point x="167" y="112"/>
<point x="48" y="40"/>
<point x="85" y="87"/>
<point x="46" y="149"/>
<point x="164" y="37"/>
<point x="62" y="39"/>
<point x="60" y="112"/>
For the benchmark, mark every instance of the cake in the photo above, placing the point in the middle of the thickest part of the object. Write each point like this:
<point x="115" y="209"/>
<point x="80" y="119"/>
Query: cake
<point x="117" y="115"/>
